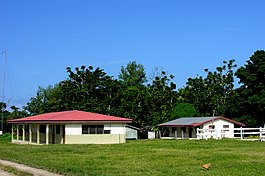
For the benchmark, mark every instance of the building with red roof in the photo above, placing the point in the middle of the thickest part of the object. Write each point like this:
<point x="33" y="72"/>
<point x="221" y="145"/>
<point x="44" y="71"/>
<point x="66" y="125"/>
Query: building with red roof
<point x="69" y="127"/>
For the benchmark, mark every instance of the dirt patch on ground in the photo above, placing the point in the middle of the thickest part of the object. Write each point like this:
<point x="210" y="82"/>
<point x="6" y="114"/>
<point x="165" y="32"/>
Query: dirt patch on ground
<point x="22" y="167"/>
<point x="4" y="173"/>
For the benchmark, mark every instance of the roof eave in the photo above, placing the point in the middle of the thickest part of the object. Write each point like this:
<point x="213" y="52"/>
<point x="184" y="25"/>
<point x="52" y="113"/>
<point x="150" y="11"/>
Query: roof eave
<point x="176" y="125"/>
<point x="68" y="121"/>
<point x="202" y="123"/>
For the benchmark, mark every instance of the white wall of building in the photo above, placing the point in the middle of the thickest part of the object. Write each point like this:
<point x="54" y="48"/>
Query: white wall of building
<point x="218" y="124"/>
<point x="219" y="127"/>
<point x="107" y="126"/>
<point x="117" y="129"/>
<point x="76" y="129"/>
<point x="73" y="129"/>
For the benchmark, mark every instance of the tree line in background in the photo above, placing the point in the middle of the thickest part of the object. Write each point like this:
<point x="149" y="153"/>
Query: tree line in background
<point x="151" y="102"/>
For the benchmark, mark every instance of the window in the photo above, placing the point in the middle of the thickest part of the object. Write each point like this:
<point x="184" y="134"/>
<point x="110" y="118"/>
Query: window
<point x="100" y="129"/>
<point x="92" y="129"/>
<point x="84" y="129"/>
<point x="211" y="127"/>
<point x="225" y="126"/>
<point x="58" y="129"/>
<point x="106" y="131"/>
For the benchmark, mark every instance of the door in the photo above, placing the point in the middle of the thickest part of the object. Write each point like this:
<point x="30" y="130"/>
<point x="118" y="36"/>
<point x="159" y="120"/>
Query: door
<point x="190" y="132"/>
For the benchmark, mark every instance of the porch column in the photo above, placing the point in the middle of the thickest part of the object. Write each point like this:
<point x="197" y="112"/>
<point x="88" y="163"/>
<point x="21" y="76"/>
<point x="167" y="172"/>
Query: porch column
<point x="23" y="133"/>
<point x="12" y="132"/>
<point x="47" y="134"/>
<point x="182" y="134"/>
<point x="30" y="134"/>
<point x="38" y="133"/>
<point x="17" y="132"/>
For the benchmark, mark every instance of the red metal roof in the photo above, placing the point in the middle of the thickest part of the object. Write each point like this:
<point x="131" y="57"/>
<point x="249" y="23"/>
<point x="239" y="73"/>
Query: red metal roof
<point x="70" y="116"/>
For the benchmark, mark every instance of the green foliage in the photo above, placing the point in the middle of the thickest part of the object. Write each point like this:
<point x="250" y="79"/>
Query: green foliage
<point x="6" y="137"/>
<point x="210" y="95"/>
<point x="247" y="119"/>
<point x="4" y="114"/>
<point x="2" y="106"/>
<point x="87" y="89"/>
<point x="46" y="100"/>
<point x="161" y="98"/>
<point x="133" y="104"/>
<point x="252" y="91"/>
<point x="133" y="74"/>
<point x="93" y="90"/>
<point x="184" y="110"/>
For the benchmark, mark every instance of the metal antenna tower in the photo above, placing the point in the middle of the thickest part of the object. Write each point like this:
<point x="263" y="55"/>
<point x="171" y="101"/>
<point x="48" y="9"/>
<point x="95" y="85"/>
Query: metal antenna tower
<point x="2" y="108"/>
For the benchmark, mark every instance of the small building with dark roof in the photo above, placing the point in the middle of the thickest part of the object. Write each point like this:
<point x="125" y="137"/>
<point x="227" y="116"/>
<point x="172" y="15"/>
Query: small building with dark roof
<point x="69" y="127"/>
<point x="187" y="127"/>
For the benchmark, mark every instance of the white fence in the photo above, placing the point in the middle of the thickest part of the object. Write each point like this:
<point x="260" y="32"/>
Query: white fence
<point x="242" y="133"/>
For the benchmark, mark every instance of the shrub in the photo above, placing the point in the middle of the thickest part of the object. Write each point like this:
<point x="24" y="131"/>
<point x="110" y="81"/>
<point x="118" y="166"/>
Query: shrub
<point x="6" y="137"/>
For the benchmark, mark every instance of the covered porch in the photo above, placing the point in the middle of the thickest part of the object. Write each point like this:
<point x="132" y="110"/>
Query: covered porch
<point x="38" y="133"/>
<point x="178" y="132"/>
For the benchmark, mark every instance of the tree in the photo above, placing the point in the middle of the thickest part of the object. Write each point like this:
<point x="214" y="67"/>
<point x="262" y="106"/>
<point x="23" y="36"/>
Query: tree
<point x="132" y="93"/>
<point x="133" y="74"/>
<point x="252" y="90"/>
<point x="47" y="100"/>
<point x="220" y="84"/>
<point x="2" y="106"/>
<point x="210" y="95"/>
<point x="7" y="115"/>
<point x="161" y="98"/>
<point x="195" y="93"/>
<point x="133" y="104"/>
<point x="87" y="89"/>
<point x="3" y="115"/>
<point x="183" y="110"/>
<point x="17" y="113"/>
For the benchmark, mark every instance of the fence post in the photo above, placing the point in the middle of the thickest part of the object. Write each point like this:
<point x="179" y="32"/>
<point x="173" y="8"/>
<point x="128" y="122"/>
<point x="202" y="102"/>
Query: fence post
<point x="260" y="132"/>
<point x="241" y="133"/>
<point x="219" y="133"/>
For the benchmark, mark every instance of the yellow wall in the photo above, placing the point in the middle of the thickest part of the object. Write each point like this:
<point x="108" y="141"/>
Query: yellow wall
<point x="95" y="139"/>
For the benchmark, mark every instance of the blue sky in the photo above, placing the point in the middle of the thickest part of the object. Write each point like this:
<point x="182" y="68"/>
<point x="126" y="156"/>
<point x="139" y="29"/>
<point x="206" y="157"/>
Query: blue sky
<point x="43" y="37"/>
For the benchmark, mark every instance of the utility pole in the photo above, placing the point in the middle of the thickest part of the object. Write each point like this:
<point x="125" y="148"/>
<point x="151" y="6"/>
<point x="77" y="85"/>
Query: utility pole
<point x="2" y="108"/>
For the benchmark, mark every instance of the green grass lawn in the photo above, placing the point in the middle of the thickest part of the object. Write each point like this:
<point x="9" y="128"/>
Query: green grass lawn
<point x="144" y="157"/>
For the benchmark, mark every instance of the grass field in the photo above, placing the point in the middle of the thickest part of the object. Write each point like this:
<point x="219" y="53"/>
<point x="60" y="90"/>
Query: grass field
<point x="144" y="157"/>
